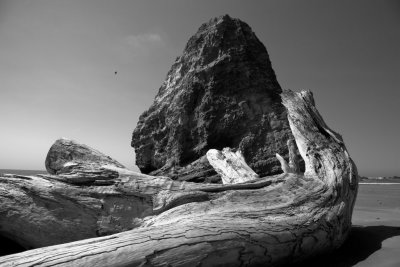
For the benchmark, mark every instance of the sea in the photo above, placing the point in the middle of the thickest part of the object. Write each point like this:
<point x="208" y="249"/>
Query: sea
<point x="23" y="172"/>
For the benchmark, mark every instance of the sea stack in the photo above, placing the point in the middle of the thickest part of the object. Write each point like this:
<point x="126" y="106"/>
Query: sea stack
<point x="221" y="92"/>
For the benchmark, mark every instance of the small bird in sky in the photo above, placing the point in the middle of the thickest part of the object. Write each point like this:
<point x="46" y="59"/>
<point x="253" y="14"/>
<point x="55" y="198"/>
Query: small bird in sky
<point x="115" y="72"/>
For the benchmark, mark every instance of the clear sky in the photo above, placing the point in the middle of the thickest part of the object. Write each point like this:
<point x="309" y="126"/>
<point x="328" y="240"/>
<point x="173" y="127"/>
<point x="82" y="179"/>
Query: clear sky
<point x="58" y="58"/>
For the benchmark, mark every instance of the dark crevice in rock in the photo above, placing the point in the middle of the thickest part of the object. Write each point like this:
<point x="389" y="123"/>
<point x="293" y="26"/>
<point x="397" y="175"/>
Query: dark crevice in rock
<point x="9" y="246"/>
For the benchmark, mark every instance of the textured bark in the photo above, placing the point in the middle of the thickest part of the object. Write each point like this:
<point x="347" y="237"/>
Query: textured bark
<point x="39" y="211"/>
<point x="268" y="221"/>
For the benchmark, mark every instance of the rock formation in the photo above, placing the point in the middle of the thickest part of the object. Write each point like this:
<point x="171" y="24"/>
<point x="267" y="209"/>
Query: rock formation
<point x="221" y="92"/>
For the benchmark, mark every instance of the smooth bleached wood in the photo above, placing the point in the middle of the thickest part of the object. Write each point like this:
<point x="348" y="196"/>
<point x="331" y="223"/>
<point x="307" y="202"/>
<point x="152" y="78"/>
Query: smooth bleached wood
<point x="294" y="162"/>
<point x="269" y="221"/>
<point x="294" y="165"/>
<point x="284" y="165"/>
<point x="231" y="166"/>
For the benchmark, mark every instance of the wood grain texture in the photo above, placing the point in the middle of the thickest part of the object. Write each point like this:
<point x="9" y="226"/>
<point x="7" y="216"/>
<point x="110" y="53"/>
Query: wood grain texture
<point x="270" y="221"/>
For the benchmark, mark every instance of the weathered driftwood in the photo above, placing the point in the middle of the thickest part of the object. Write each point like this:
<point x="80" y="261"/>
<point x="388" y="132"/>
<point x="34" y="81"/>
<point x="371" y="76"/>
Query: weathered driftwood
<point x="76" y="163"/>
<point x="231" y="166"/>
<point x="267" y="221"/>
<point x="294" y="164"/>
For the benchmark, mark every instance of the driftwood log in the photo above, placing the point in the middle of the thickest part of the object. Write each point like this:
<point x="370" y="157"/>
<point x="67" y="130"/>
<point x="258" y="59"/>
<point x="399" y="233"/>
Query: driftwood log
<point x="231" y="166"/>
<point x="154" y="221"/>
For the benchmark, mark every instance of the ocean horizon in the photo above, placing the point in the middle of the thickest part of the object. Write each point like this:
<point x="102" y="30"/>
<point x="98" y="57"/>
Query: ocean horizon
<point x="23" y="172"/>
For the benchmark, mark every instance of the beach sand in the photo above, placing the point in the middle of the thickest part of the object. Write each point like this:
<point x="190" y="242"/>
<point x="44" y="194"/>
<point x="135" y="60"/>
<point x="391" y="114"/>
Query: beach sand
<point x="378" y="210"/>
<point x="375" y="237"/>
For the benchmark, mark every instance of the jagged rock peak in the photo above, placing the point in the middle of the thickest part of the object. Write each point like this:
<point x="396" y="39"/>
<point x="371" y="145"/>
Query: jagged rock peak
<point x="222" y="29"/>
<point x="221" y="92"/>
<point x="221" y="39"/>
<point x="220" y="26"/>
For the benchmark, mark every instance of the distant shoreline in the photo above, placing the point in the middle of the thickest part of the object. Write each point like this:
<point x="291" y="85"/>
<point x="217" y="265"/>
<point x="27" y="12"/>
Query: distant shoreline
<point x="380" y="180"/>
<point x="382" y="183"/>
<point x="363" y="180"/>
<point x="23" y="172"/>
<point x="379" y="177"/>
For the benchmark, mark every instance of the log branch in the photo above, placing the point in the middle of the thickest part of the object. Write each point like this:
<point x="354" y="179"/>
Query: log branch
<point x="294" y="163"/>
<point x="231" y="166"/>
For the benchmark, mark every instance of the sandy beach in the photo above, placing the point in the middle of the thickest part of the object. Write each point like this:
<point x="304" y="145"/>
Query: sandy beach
<point x="375" y="237"/>
<point x="377" y="211"/>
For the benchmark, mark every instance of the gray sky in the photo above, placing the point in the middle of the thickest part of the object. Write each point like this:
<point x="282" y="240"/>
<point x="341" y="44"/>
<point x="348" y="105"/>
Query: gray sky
<point x="57" y="63"/>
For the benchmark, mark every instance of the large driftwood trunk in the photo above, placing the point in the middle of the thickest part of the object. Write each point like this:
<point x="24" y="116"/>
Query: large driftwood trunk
<point x="267" y="221"/>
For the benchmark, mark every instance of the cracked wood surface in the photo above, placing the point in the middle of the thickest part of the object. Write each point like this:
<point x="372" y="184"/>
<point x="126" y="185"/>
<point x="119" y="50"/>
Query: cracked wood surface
<point x="269" y="221"/>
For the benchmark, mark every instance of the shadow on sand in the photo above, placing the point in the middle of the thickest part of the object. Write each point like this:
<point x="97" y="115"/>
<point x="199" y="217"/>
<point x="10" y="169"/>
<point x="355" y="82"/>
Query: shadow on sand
<point x="362" y="242"/>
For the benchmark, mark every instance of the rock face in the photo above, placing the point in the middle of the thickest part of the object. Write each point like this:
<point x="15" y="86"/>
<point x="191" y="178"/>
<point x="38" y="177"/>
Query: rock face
<point x="221" y="92"/>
